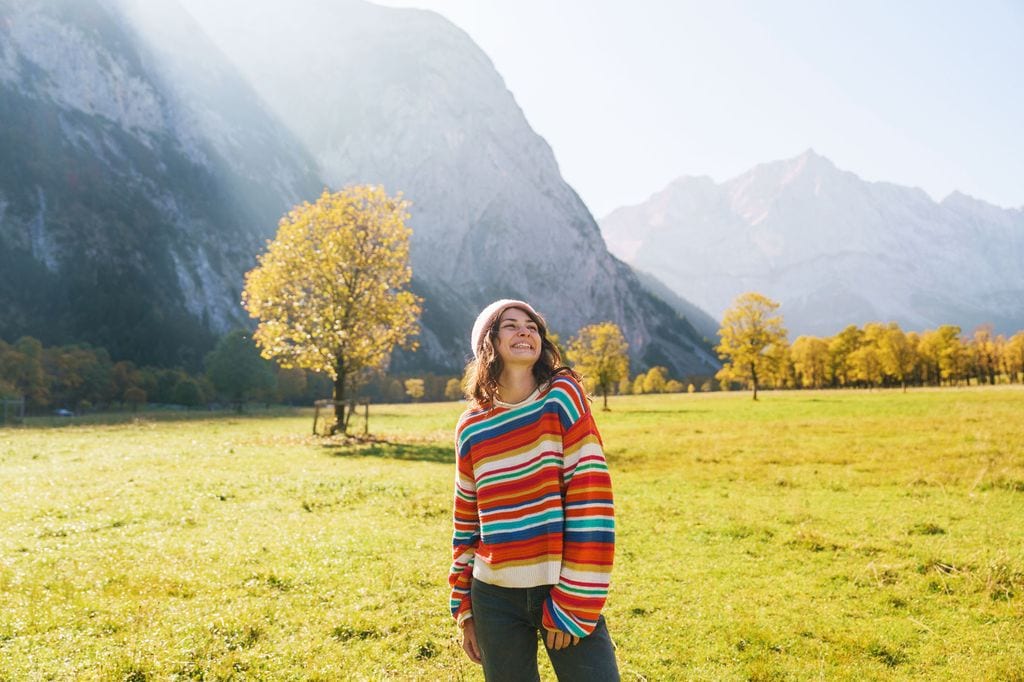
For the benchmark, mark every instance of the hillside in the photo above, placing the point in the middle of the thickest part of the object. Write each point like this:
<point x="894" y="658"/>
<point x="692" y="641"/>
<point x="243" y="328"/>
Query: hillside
<point x="405" y="99"/>
<point x="140" y="174"/>
<point x="129" y="206"/>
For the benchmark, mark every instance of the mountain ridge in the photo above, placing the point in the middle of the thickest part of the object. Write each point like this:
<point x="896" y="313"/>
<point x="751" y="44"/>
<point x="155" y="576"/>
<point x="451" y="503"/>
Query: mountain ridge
<point x="142" y="172"/>
<point x="832" y="248"/>
<point x="491" y="215"/>
<point x="120" y="226"/>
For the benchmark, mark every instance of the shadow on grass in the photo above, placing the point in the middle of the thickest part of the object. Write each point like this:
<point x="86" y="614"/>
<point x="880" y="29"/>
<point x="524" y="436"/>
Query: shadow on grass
<point x="384" y="449"/>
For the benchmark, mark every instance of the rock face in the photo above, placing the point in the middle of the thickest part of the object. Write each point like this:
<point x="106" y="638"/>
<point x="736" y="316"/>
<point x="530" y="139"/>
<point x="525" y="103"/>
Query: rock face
<point x="404" y="99"/>
<point x="134" y="189"/>
<point x="832" y="248"/>
<point x="140" y="174"/>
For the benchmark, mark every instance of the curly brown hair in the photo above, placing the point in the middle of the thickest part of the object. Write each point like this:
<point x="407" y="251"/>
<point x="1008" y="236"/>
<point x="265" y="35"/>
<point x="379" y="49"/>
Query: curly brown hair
<point x="483" y="372"/>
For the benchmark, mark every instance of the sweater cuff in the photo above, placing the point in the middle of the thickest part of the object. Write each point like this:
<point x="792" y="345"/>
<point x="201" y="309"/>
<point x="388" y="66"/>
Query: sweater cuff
<point x="463" y="617"/>
<point x="556" y="617"/>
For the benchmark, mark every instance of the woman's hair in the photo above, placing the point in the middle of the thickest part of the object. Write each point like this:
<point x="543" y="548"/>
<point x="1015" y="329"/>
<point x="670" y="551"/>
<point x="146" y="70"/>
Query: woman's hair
<point x="482" y="373"/>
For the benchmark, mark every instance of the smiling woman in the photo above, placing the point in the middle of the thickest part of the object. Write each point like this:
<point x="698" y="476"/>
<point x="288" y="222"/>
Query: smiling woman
<point x="534" y="527"/>
<point x="518" y="342"/>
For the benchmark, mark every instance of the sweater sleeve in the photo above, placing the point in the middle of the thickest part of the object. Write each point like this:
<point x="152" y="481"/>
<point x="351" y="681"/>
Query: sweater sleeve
<point x="575" y="603"/>
<point x="465" y="536"/>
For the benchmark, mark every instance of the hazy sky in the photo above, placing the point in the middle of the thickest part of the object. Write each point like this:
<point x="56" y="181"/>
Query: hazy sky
<point x="631" y="95"/>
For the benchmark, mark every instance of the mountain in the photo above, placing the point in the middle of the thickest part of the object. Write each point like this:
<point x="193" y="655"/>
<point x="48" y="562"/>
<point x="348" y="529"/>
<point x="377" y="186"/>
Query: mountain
<point x="832" y="248"/>
<point x="140" y="174"/>
<point x="405" y="99"/>
<point x="138" y="178"/>
<point x="704" y="324"/>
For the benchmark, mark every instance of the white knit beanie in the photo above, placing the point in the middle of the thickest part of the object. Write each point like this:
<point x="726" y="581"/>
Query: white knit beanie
<point x="487" y="316"/>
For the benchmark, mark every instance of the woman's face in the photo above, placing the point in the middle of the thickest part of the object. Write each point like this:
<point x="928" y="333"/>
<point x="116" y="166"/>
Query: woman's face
<point x="518" y="341"/>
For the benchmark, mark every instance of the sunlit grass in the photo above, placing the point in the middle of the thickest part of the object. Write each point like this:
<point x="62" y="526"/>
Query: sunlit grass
<point x="831" y="535"/>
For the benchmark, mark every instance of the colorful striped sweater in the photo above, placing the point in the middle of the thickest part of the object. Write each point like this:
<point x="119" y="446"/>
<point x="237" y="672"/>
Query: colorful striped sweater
<point x="533" y="505"/>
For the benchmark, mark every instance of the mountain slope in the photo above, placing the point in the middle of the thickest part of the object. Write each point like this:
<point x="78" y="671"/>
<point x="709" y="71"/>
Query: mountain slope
<point x="705" y="325"/>
<point x="832" y="248"/>
<point x="404" y="99"/>
<point x="127" y="217"/>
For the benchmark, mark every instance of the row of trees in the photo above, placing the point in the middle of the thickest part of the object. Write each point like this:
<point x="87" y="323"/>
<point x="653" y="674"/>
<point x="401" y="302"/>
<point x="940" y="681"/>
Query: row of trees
<point x="81" y="377"/>
<point x="84" y="378"/>
<point x="757" y="353"/>
<point x="600" y="353"/>
<point x="331" y="298"/>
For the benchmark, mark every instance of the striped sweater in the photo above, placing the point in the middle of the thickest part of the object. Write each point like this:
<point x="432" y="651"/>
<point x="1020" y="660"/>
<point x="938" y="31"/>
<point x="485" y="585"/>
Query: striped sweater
<point x="533" y="505"/>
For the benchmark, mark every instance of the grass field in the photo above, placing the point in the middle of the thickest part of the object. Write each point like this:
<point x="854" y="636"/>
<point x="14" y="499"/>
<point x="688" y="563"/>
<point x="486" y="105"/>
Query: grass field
<point x="810" y="535"/>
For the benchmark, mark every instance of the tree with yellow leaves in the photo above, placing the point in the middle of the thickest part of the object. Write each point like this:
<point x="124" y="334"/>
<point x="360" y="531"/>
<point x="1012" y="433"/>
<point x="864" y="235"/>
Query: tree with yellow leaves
<point x="329" y="292"/>
<point x="751" y="335"/>
<point x="656" y="380"/>
<point x="415" y="389"/>
<point x="944" y="354"/>
<point x="599" y="354"/>
<point x="811" y="361"/>
<point x="899" y="353"/>
<point x="983" y="351"/>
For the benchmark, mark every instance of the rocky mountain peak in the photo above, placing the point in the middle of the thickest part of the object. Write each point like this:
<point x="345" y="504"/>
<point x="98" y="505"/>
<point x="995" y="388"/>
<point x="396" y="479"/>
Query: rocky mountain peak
<point x="833" y="248"/>
<point x="50" y="52"/>
<point x="160" y="159"/>
<point x="413" y="104"/>
<point x="125" y="223"/>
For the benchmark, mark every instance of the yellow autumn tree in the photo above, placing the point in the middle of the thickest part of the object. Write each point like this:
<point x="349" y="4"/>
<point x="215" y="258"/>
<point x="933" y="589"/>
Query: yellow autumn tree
<point x="415" y="389"/>
<point x="656" y="380"/>
<point x="1014" y="356"/>
<point x="598" y="352"/>
<point x="751" y="335"/>
<point x="898" y="352"/>
<point x="983" y="349"/>
<point x="453" y="389"/>
<point x="840" y="348"/>
<point x="330" y="290"/>
<point x="943" y="354"/>
<point x="811" y="361"/>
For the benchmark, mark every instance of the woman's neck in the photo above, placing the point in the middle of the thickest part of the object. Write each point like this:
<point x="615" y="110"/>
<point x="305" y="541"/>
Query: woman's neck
<point x="516" y="384"/>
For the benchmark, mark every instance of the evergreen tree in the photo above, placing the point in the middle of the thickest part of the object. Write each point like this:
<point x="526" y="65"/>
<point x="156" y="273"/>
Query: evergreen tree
<point x="236" y="369"/>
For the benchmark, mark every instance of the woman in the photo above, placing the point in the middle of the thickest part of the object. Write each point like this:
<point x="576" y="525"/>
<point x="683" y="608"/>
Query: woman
<point x="534" y="524"/>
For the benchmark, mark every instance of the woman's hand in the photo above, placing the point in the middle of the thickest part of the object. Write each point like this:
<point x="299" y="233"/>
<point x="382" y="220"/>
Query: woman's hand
<point x="469" y="644"/>
<point x="556" y="639"/>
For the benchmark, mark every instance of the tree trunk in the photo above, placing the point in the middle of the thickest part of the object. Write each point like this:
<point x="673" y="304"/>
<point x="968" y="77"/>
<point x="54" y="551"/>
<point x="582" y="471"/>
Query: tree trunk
<point x="605" y="389"/>
<point x="339" y="396"/>
<point x="753" y="374"/>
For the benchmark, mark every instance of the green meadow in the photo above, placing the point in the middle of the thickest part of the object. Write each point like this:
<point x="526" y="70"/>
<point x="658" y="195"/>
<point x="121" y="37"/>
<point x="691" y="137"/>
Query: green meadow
<point x="810" y="535"/>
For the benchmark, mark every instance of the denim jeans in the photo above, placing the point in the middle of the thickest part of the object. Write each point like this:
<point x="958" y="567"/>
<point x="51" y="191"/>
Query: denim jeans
<point x="508" y="623"/>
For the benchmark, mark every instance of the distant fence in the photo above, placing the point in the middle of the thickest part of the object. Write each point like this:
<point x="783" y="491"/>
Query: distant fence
<point x="14" y="411"/>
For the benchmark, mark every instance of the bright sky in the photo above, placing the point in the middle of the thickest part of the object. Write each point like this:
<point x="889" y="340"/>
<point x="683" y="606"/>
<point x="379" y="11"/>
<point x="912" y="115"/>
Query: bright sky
<point x="631" y="95"/>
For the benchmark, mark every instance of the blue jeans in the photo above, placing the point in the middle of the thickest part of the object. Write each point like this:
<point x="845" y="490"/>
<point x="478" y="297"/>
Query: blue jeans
<point x="508" y="620"/>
